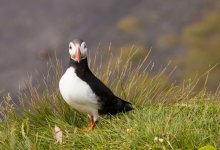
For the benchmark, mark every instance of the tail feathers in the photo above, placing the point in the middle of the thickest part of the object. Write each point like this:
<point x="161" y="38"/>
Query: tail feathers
<point x="124" y="106"/>
<point x="114" y="106"/>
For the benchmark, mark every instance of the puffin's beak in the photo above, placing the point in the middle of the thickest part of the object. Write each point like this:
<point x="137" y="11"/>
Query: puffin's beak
<point x="78" y="55"/>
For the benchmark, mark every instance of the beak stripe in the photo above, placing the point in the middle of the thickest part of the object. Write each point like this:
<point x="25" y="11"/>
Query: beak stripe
<point x="78" y="55"/>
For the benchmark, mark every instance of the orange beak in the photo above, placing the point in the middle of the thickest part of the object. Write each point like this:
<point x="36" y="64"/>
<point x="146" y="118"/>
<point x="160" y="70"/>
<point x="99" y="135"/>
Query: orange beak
<point x="78" y="55"/>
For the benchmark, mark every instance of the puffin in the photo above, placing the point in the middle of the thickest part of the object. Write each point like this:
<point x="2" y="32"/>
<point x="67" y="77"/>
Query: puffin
<point x="84" y="92"/>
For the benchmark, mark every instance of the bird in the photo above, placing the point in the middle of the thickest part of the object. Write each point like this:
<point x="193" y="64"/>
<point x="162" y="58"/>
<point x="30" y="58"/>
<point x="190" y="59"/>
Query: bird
<point x="84" y="92"/>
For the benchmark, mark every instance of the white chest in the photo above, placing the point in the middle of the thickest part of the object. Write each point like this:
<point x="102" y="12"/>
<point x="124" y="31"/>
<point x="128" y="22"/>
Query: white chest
<point x="77" y="93"/>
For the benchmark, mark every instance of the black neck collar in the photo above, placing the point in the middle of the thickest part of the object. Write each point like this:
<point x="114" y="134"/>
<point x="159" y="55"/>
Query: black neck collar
<point x="80" y="68"/>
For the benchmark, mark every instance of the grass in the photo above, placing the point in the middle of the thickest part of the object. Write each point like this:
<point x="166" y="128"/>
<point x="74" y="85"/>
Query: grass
<point x="202" y="41"/>
<point x="166" y="116"/>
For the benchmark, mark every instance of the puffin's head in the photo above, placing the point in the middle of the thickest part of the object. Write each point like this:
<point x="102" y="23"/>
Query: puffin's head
<point x="77" y="50"/>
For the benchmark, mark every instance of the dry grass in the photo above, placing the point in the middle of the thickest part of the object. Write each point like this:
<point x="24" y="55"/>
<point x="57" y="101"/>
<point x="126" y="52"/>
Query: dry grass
<point x="166" y="116"/>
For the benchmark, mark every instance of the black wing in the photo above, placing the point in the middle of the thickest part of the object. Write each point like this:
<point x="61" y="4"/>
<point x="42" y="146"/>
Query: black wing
<point x="110" y="104"/>
<point x="99" y="88"/>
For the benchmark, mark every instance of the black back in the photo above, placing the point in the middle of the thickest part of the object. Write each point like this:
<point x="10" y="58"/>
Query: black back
<point x="109" y="103"/>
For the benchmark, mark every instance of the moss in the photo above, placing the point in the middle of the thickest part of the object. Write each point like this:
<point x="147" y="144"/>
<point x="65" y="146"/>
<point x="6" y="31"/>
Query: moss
<point x="208" y="147"/>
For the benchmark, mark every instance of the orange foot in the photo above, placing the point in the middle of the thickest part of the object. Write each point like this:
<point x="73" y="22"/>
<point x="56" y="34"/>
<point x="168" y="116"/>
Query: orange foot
<point x="91" y="126"/>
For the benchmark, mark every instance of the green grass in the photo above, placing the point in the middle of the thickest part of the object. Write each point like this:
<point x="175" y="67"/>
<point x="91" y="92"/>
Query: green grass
<point x="166" y="116"/>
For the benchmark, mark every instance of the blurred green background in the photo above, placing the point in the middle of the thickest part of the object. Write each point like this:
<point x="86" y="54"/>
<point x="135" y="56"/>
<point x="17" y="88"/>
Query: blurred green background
<point x="185" y="32"/>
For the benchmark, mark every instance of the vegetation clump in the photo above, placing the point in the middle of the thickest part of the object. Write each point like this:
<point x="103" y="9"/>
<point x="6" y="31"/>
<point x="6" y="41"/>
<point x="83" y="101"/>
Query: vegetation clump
<point x="202" y="42"/>
<point x="166" y="116"/>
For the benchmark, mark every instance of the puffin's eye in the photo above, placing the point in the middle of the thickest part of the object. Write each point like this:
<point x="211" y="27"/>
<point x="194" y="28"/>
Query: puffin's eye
<point x="70" y="47"/>
<point x="85" y="46"/>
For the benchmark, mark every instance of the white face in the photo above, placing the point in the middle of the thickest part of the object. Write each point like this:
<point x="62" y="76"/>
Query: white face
<point x="77" y="51"/>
